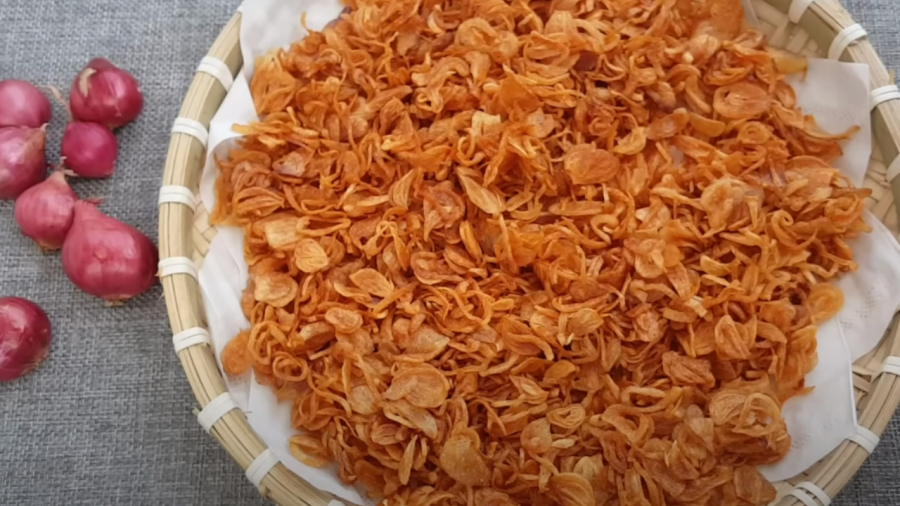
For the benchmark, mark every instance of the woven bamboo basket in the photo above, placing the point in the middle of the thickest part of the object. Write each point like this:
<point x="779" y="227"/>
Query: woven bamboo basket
<point x="820" y="28"/>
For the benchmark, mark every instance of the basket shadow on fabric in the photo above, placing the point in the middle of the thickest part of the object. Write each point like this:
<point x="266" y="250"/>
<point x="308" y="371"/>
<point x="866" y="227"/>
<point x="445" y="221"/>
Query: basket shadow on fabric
<point x="808" y="28"/>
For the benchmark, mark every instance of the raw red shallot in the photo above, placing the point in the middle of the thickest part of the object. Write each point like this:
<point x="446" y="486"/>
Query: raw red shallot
<point x="24" y="337"/>
<point x="103" y="93"/>
<point x="22" y="162"/>
<point x="44" y="212"/>
<point x="21" y="104"/>
<point x="107" y="258"/>
<point x="89" y="149"/>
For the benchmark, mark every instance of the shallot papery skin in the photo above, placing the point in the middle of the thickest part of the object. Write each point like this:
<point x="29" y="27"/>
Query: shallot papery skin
<point x="103" y="93"/>
<point x="107" y="258"/>
<point x="24" y="337"/>
<point x="21" y="104"/>
<point x="45" y="211"/>
<point x="22" y="160"/>
<point x="89" y="149"/>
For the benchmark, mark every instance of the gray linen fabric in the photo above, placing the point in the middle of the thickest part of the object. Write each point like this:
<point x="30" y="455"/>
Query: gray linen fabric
<point x="107" y="419"/>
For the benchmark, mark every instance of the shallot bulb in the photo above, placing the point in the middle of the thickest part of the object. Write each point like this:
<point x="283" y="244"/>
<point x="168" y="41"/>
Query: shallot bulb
<point x="44" y="212"/>
<point x="89" y="149"/>
<point x="103" y="93"/>
<point x="22" y="162"/>
<point x="24" y="337"/>
<point x="21" y="104"/>
<point x="107" y="258"/>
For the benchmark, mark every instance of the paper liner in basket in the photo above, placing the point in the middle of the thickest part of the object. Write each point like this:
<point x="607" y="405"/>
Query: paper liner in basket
<point x="837" y="93"/>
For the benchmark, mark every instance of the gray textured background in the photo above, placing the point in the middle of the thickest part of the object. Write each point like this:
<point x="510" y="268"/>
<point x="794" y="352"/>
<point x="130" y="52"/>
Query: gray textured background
<point x="107" y="419"/>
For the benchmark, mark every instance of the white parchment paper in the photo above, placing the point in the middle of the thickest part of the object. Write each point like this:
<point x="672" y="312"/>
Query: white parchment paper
<point x="836" y="93"/>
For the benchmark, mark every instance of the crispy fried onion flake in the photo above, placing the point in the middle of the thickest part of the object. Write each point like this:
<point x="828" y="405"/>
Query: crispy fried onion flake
<point x="567" y="252"/>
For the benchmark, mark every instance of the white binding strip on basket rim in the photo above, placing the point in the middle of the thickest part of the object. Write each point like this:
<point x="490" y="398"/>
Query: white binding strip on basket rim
<point x="174" y="194"/>
<point x="807" y="492"/>
<point x="177" y="265"/>
<point x="215" y="410"/>
<point x="866" y="439"/>
<point x="190" y="337"/>
<point x="803" y="497"/>
<point x="884" y="94"/>
<point x="891" y="365"/>
<point x="217" y="68"/>
<point x="844" y="38"/>
<point x="261" y="466"/>
<point x="193" y="128"/>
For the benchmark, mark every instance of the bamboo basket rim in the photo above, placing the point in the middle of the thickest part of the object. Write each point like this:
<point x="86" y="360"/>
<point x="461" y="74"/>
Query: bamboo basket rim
<point x="877" y="395"/>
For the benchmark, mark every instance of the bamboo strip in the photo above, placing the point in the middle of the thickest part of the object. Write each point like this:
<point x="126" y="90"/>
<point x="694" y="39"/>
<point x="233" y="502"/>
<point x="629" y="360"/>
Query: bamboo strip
<point x="184" y="165"/>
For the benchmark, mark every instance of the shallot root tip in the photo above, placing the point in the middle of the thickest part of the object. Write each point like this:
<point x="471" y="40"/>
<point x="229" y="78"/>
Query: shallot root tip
<point x="57" y="95"/>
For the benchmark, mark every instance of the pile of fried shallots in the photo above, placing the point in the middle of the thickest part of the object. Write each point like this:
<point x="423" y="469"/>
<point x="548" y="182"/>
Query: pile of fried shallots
<point x="511" y="252"/>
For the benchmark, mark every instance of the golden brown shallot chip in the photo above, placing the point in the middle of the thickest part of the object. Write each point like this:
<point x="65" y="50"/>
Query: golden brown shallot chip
<point x="560" y="253"/>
